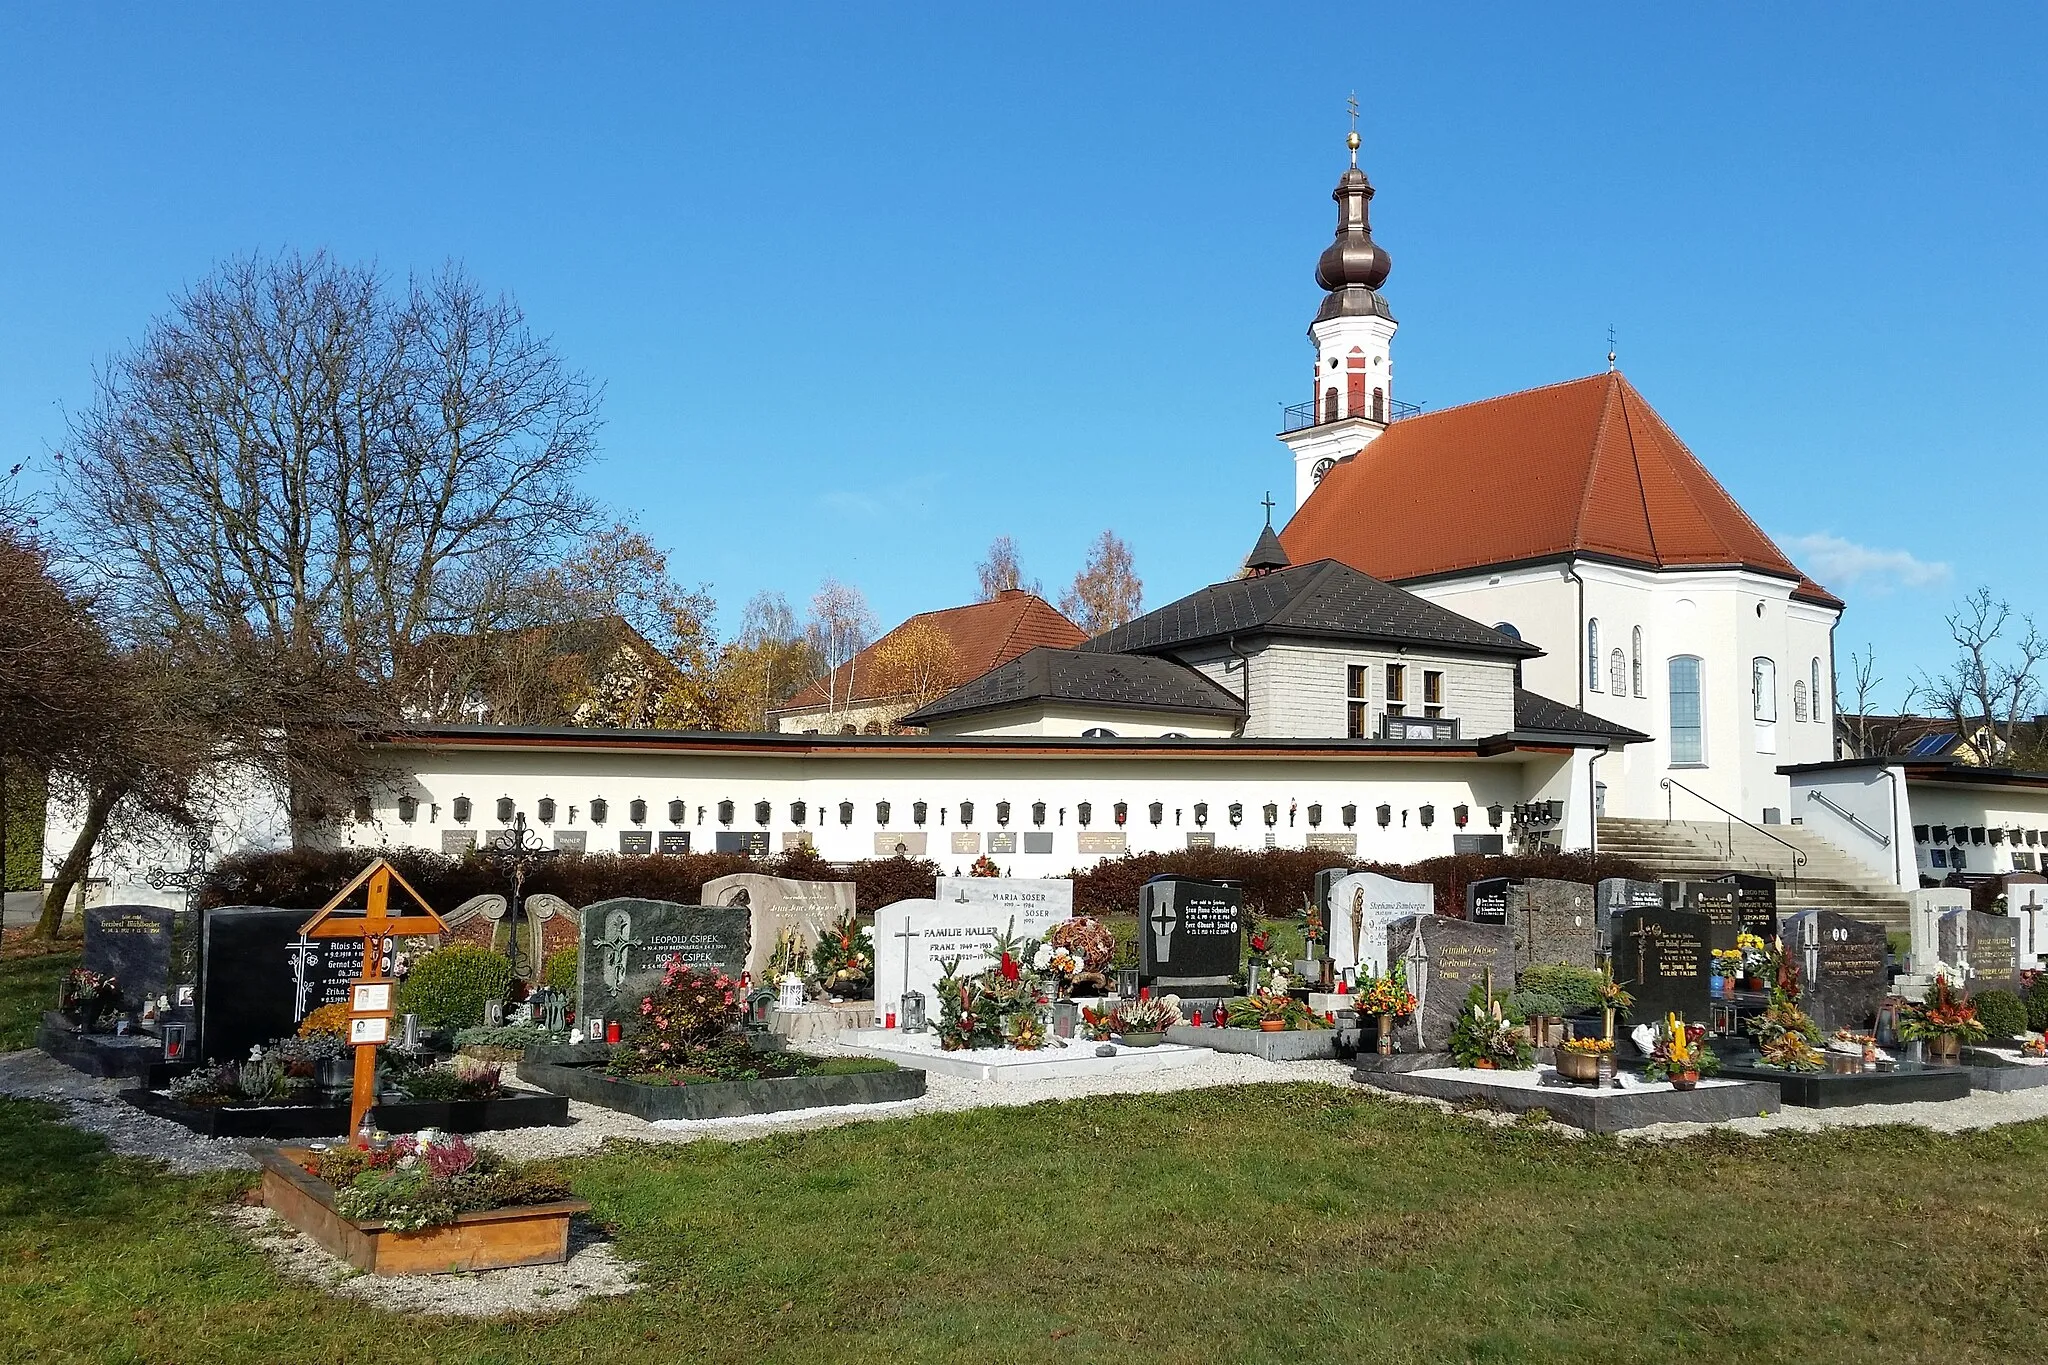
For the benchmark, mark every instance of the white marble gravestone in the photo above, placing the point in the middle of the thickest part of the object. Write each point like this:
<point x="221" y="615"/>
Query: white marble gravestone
<point x="1924" y="925"/>
<point x="1361" y="907"/>
<point x="2027" y="904"/>
<point x="1038" y="901"/>
<point x="914" y="939"/>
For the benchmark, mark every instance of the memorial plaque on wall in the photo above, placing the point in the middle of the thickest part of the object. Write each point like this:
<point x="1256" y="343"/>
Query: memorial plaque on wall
<point x="900" y="844"/>
<point x="456" y="842"/>
<point x="1038" y="841"/>
<point x="1486" y="900"/>
<point x="675" y="841"/>
<point x="636" y="841"/>
<point x="572" y="840"/>
<point x="1100" y="842"/>
<point x="1201" y="841"/>
<point x="1346" y="844"/>
<point x="966" y="841"/>
<point x="1002" y="841"/>
<point x="1190" y="933"/>
<point x="1661" y="958"/>
<point x="752" y="842"/>
<point x="1478" y="843"/>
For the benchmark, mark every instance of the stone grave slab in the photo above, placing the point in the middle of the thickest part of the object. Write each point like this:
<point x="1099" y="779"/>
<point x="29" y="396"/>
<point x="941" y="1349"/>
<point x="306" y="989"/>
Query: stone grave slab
<point x="1986" y="946"/>
<point x="915" y="938"/>
<point x="627" y="942"/>
<point x="1360" y="907"/>
<point x="1842" y="965"/>
<point x="1636" y="1103"/>
<point x="1661" y="958"/>
<point x="1007" y="1066"/>
<point x="1553" y="921"/>
<point x="1038" y="902"/>
<point x="1615" y="895"/>
<point x="258" y="976"/>
<point x="1486" y="900"/>
<point x="779" y="903"/>
<point x="1190" y="934"/>
<point x="132" y="944"/>
<point x="1445" y="959"/>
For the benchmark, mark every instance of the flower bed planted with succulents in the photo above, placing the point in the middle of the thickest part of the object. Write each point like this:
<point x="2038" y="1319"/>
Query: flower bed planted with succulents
<point x="425" y="1204"/>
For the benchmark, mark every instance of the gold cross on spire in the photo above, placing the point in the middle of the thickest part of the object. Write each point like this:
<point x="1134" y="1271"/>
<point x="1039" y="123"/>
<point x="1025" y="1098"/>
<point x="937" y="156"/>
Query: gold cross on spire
<point x="1351" y="139"/>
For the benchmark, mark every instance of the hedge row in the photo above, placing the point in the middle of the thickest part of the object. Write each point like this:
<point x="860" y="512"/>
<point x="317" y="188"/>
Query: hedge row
<point x="1277" y="882"/>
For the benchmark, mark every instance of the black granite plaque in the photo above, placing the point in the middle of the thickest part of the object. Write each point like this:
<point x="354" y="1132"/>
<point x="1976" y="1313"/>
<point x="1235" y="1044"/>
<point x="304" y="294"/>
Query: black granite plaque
<point x="1190" y="933"/>
<point x="1445" y="958"/>
<point x="258" y="976"/>
<point x="132" y="944"/>
<point x="1553" y="921"/>
<point x="628" y="942"/>
<point x="636" y="841"/>
<point x="753" y="842"/>
<point x="1486" y="900"/>
<point x="1842" y="968"/>
<point x="1661" y="958"/>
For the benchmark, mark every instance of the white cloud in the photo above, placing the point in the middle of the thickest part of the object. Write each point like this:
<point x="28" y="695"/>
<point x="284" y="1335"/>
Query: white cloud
<point x="1839" y="563"/>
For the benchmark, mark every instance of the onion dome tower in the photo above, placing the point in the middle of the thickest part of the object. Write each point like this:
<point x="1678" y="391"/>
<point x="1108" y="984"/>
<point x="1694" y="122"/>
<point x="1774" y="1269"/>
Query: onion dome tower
<point x="1352" y="394"/>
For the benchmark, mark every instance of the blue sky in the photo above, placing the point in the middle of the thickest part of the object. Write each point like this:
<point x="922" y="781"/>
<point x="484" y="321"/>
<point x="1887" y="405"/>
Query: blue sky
<point x="1045" y="270"/>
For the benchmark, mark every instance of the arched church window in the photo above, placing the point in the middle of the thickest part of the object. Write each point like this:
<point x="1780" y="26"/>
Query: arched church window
<point x="1763" y="689"/>
<point x="1635" y="646"/>
<point x="1688" y="735"/>
<point x="1617" y="673"/>
<point x="1818" y="714"/>
<point x="1330" y="404"/>
<point x="1799" y="699"/>
<point x="1593" y="653"/>
<point x="1508" y="629"/>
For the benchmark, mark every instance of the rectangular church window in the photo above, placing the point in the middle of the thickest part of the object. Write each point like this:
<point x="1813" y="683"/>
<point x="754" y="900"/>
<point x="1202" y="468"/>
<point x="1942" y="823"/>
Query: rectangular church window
<point x="1688" y="740"/>
<point x="1397" y="688"/>
<point x="1355" y="702"/>
<point x="1432" y="693"/>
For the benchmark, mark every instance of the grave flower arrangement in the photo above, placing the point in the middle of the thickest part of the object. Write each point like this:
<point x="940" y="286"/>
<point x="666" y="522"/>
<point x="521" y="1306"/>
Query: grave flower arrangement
<point x="1264" y="1007"/>
<point x="1727" y="962"/>
<point x="463" y="1078"/>
<point x="1945" y="1018"/>
<point x="1588" y="1047"/>
<point x="429" y="1180"/>
<point x="258" y="1081"/>
<point x="1089" y="944"/>
<point x="1099" y="1024"/>
<point x="83" y="996"/>
<point x="787" y="958"/>
<point x="1388" y="995"/>
<point x="1484" y="1037"/>
<point x="2034" y="1045"/>
<point x="1788" y="1038"/>
<point x="682" y="1017"/>
<point x="844" y="960"/>
<point x="1755" y="955"/>
<point x="975" y="1011"/>
<point x="984" y="866"/>
<point x="1146" y="1016"/>
<point x="1680" y="1053"/>
<point x="330" y="1020"/>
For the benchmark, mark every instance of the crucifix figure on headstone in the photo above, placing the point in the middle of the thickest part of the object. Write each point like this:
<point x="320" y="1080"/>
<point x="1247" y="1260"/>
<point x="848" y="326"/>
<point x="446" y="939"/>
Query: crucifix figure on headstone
<point x="1163" y="920"/>
<point x="370" y="994"/>
<point x="1644" y="935"/>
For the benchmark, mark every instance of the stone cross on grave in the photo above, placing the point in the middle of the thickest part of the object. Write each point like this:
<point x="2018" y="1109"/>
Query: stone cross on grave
<point x="370" y="994"/>
<point x="1163" y="920"/>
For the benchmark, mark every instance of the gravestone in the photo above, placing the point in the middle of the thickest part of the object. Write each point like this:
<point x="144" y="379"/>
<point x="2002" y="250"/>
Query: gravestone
<point x="1319" y="889"/>
<point x="1842" y="968"/>
<point x="1445" y="958"/>
<point x="132" y="944"/>
<point x="1190" y="935"/>
<point x="2026" y="901"/>
<point x="258" y="976"/>
<point x="1361" y="906"/>
<point x="1486" y="900"/>
<point x="915" y="938"/>
<point x="627" y="942"/>
<point x="1553" y="921"/>
<point x="1661" y="958"/>
<point x="1986" y="946"/>
<point x="1927" y="907"/>
<point x="1038" y="902"/>
<point x="1756" y="904"/>
<point x="779" y="903"/>
<point x="1718" y="901"/>
<point x="674" y="841"/>
<point x="1614" y="895"/>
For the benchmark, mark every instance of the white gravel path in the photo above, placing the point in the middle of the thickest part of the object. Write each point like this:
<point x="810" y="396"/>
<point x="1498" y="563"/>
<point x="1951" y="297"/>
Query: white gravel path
<point x="89" y="1104"/>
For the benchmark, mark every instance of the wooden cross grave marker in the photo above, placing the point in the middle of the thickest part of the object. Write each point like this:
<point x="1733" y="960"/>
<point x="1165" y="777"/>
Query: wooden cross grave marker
<point x="370" y="994"/>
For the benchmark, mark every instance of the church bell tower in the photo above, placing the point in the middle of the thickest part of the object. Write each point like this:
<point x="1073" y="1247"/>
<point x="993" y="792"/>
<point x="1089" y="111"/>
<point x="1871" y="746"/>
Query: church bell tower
<point x="1352" y="398"/>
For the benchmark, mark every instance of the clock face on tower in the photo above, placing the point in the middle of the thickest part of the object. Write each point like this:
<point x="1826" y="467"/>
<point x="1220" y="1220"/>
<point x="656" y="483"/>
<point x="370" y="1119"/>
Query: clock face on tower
<point x="1322" y="467"/>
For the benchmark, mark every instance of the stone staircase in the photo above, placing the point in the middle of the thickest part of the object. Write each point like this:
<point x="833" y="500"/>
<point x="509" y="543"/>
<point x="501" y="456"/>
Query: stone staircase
<point x="1827" y="880"/>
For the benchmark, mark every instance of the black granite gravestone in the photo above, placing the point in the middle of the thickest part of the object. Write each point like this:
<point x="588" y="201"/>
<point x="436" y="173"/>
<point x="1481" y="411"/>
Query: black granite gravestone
<point x="1842" y="968"/>
<point x="1486" y="900"/>
<point x="132" y="944"/>
<point x="1987" y="944"/>
<point x="1717" y="901"/>
<point x="1661" y="958"/>
<point x="258" y="976"/>
<point x="1445" y="958"/>
<point x="1190" y="934"/>
<point x="1614" y="895"/>
<point x="1756" y="904"/>
<point x="627" y="943"/>
<point x="1553" y="921"/>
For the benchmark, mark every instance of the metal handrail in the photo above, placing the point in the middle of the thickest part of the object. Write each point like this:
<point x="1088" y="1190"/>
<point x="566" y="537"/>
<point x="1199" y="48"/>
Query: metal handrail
<point x="1301" y="416"/>
<point x="1798" y="855"/>
<point x="1883" y="840"/>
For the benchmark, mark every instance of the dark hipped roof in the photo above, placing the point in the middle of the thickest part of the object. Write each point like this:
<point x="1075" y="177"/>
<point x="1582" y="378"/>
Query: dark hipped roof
<point x="1043" y="674"/>
<point x="1325" y="600"/>
<point x="1537" y="714"/>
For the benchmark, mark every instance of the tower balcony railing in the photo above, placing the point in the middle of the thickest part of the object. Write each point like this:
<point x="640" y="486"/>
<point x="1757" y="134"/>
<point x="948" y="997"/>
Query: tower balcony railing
<point x="1301" y="416"/>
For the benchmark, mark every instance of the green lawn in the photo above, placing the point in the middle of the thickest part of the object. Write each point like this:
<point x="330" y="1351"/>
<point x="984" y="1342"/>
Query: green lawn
<point x="1301" y="1223"/>
<point x="28" y="986"/>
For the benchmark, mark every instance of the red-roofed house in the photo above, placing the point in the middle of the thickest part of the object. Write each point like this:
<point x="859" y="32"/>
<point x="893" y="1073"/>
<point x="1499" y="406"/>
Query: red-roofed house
<point x="893" y="676"/>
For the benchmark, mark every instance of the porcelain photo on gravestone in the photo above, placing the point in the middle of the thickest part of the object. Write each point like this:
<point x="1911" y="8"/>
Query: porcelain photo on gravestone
<point x="1361" y="906"/>
<point x="627" y="943"/>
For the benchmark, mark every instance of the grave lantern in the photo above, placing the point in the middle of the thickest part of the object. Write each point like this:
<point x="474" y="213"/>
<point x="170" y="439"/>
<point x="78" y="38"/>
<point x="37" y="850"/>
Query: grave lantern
<point x="1428" y="814"/>
<point x="174" y="1042"/>
<point x="910" y="1012"/>
<point x="599" y="809"/>
<point x="1997" y="836"/>
<point x="1272" y="813"/>
<point x="362" y="811"/>
<point x="1461" y="815"/>
<point x="545" y="809"/>
<point x="1493" y="815"/>
<point x="882" y="814"/>
<point x="1002" y="812"/>
<point x="759" y="1003"/>
<point x="763" y="812"/>
<point x="966" y="813"/>
<point x="408" y="808"/>
<point x="1237" y="812"/>
<point x="677" y="811"/>
<point x="636" y="810"/>
<point x="846" y="812"/>
<point x="1201" y="813"/>
<point x="1384" y="814"/>
<point x="1315" y="815"/>
<point x="1350" y="814"/>
<point x="1084" y="812"/>
<point x="1127" y="983"/>
<point x="462" y="810"/>
<point x="505" y="810"/>
<point x="1038" y="812"/>
<point x="918" y="813"/>
<point x="797" y="812"/>
<point x="1066" y="1018"/>
<point x="1157" y="810"/>
<point x="725" y="809"/>
<point x="1123" y="812"/>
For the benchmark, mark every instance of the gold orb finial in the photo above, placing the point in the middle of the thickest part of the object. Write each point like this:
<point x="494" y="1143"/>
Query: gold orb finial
<point x="1351" y="139"/>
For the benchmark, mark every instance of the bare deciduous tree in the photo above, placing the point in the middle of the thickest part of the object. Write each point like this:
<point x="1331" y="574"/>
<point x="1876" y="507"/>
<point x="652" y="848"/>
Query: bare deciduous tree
<point x="1856" y="716"/>
<point x="840" y="626"/>
<point x="1001" y="572"/>
<point x="1991" y="688"/>
<point x="1107" y="592"/>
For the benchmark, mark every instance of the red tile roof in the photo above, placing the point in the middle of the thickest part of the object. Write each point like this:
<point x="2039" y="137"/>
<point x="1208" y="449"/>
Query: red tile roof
<point x="1584" y="467"/>
<point x="984" y="635"/>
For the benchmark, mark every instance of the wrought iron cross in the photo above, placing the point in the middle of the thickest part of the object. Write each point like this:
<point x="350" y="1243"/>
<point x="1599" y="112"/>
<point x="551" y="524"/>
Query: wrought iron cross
<point x="1267" y="503"/>
<point x="1351" y="103"/>
<point x="518" y="851"/>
